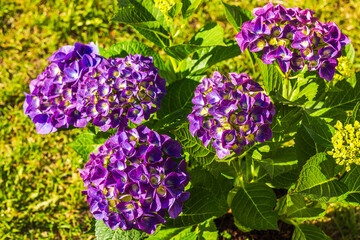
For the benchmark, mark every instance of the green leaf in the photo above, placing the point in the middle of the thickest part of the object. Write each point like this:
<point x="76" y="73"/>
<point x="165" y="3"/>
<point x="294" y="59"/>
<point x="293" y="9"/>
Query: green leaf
<point x="202" y="178"/>
<point x="309" y="91"/>
<point x="253" y="206"/>
<point x="174" y="234"/>
<point x="157" y="37"/>
<point x="352" y="181"/>
<point x="174" y="10"/>
<point x="210" y="35"/>
<point x="330" y="115"/>
<point x="189" y="7"/>
<point x="145" y="18"/>
<point x="182" y="51"/>
<point x="103" y="232"/>
<point x="123" y="49"/>
<point x="207" y="230"/>
<point x="207" y="200"/>
<point x="237" y="15"/>
<point x="272" y="78"/>
<point x="297" y="208"/>
<point x="221" y="169"/>
<point x="134" y="11"/>
<point x="319" y="130"/>
<point x="347" y="99"/>
<point x="308" y="232"/>
<point x="284" y="180"/>
<point x="285" y="121"/>
<point x="279" y="162"/>
<point x="203" y="231"/>
<point x="350" y="52"/>
<point x="169" y="123"/>
<point x="87" y="142"/>
<point x="304" y="146"/>
<point x="175" y="106"/>
<point x="178" y="97"/>
<point x="317" y="180"/>
<point x="194" y="146"/>
<point x="206" y="57"/>
<point x="355" y="114"/>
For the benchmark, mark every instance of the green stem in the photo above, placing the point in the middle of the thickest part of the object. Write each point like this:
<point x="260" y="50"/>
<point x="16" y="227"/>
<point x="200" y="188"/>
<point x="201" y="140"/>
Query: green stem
<point x="174" y="64"/>
<point x="162" y="34"/>
<point x="285" y="88"/>
<point x="244" y="153"/>
<point x="237" y="167"/>
<point x="173" y="60"/>
<point x="280" y="71"/>
<point x="251" y="60"/>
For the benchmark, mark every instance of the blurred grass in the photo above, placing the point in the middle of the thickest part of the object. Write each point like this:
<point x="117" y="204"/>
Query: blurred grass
<point x="40" y="188"/>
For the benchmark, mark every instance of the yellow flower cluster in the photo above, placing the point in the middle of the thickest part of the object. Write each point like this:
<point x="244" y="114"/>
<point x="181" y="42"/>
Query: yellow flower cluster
<point x="164" y="5"/>
<point x="345" y="67"/>
<point x="346" y="142"/>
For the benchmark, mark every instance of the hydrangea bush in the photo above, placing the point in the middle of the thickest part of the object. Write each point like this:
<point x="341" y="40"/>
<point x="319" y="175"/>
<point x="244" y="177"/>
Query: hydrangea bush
<point x="170" y="146"/>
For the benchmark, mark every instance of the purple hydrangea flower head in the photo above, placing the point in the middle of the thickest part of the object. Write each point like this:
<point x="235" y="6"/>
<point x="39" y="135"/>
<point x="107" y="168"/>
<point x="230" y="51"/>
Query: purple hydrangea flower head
<point x="236" y="115"/>
<point x="294" y="37"/>
<point x="134" y="179"/>
<point x="80" y="86"/>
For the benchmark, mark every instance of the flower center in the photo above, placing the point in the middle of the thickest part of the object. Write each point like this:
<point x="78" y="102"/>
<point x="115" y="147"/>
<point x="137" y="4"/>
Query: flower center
<point x="135" y="111"/>
<point x="261" y="44"/>
<point x="290" y="35"/>
<point x="116" y="73"/>
<point x="307" y="52"/>
<point x="241" y="118"/>
<point x="130" y="206"/>
<point x="229" y="137"/>
<point x="327" y="53"/>
<point x="161" y="190"/>
<point x="250" y="137"/>
<point x="246" y="127"/>
<point x="154" y="180"/>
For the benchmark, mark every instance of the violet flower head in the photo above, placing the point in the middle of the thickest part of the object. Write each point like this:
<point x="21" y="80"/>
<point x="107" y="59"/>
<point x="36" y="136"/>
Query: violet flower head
<point x="80" y="86"/>
<point x="134" y="179"/>
<point x="237" y="115"/>
<point x="294" y="37"/>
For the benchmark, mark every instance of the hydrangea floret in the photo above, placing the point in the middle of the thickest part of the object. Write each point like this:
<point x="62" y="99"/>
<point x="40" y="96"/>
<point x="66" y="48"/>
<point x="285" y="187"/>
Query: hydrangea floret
<point x="346" y="142"/>
<point x="133" y="180"/>
<point x="293" y="37"/>
<point x="232" y="112"/>
<point x="80" y="86"/>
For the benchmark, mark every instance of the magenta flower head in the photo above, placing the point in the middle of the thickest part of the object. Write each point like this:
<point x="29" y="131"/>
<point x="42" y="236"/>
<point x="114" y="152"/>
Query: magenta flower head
<point x="80" y="86"/>
<point x="293" y="37"/>
<point x="230" y="113"/>
<point x="134" y="180"/>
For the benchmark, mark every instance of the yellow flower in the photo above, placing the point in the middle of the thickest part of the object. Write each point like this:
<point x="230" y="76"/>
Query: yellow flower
<point x="345" y="67"/>
<point x="164" y="5"/>
<point x="346" y="143"/>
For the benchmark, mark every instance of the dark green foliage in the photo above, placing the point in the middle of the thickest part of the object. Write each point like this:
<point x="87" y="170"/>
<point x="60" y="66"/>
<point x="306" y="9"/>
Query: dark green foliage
<point x="253" y="205"/>
<point x="207" y="199"/>
<point x="103" y="232"/>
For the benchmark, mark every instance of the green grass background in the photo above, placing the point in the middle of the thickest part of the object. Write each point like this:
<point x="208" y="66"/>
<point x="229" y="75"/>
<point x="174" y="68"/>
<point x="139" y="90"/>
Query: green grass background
<point x="40" y="188"/>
